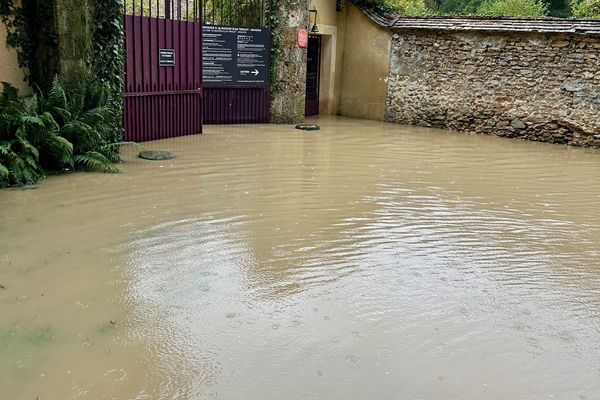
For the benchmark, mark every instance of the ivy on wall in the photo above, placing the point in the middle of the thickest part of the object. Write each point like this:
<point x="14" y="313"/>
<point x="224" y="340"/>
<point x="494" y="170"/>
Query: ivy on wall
<point x="31" y="31"/>
<point x="18" y="33"/>
<point x="278" y="7"/>
<point x="108" y="53"/>
<point x="274" y="21"/>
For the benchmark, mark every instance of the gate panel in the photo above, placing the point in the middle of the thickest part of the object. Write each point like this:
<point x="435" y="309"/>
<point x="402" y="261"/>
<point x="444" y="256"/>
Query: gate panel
<point x="238" y="93"/>
<point x="236" y="105"/>
<point x="162" y="98"/>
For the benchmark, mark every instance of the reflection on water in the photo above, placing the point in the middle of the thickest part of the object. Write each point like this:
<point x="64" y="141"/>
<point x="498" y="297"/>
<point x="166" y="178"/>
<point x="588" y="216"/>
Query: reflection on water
<point x="362" y="261"/>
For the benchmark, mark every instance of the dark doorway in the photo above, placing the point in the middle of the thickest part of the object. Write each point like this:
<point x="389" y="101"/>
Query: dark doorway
<point x="313" y="67"/>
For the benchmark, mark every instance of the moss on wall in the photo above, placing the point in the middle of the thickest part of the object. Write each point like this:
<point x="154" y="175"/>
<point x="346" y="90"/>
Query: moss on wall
<point x="58" y="36"/>
<point x="44" y="39"/>
<point x="73" y="25"/>
<point x="287" y="100"/>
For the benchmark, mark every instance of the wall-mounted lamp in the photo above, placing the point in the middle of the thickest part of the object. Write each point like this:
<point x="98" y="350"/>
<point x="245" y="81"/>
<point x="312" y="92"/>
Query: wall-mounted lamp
<point x="315" y="28"/>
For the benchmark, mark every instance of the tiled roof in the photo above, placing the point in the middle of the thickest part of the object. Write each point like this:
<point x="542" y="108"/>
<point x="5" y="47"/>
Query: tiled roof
<point x="543" y="25"/>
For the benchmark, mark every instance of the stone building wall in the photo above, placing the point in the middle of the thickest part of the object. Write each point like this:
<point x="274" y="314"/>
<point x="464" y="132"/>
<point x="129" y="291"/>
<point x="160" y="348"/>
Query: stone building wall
<point x="287" y="103"/>
<point x="542" y="87"/>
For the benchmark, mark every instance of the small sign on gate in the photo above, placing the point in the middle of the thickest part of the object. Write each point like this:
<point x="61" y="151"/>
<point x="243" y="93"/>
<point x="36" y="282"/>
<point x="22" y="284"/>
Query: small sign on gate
<point x="166" y="57"/>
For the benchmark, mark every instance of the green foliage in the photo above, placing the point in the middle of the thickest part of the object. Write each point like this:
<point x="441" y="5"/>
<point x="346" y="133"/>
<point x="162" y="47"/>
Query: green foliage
<point x="108" y="58"/>
<point x="60" y="130"/>
<point x="410" y="8"/>
<point x="513" y="8"/>
<point x="555" y="8"/>
<point x="276" y="39"/>
<point x="96" y="160"/>
<point x="586" y="9"/>
<point x="232" y="13"/>
<point x="459" y="7"/>
<point x="559" y="8"/>
<point x="18" y="156"/>
<point x="18" y="36"/>
<point x="31" y="31"/>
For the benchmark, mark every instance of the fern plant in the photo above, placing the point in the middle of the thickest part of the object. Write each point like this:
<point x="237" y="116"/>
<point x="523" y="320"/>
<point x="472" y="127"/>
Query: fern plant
<point x="63" y="129"/>
<point x="18" y="156"/>
<point x="83" y="117"/>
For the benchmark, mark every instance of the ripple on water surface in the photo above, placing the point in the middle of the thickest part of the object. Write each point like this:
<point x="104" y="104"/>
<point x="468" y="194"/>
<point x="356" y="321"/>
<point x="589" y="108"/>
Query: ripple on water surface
<point x="364" y="260"/>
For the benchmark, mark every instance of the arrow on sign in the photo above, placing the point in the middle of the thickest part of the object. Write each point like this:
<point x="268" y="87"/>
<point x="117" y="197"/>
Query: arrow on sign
<point x="255" y="72"/>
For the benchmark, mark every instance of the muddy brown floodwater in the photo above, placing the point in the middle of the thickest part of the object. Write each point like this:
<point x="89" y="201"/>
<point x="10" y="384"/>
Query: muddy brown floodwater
<point x="362" y="261"/>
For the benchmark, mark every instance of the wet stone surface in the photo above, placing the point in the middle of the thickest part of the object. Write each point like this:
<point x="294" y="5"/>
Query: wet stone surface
<point x="156" y="155"/>
<point x="308" y="127"/>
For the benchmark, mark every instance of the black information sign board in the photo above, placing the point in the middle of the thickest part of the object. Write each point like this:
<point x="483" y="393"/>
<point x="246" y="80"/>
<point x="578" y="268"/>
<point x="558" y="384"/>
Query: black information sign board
<point x="233" y="56"/>
<point x="166" y="57"/>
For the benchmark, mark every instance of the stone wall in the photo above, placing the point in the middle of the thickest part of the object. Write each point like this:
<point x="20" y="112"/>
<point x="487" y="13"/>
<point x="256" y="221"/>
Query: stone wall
<point x="542" y="87"/>
<point x="73" y="26"/>
<point x="287" y="103"/>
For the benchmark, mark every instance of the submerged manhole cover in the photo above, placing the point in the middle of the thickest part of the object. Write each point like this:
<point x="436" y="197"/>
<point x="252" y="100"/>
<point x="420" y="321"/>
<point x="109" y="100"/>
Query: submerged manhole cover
<point x="308" y="127"/>
<point x="156" y="155"/>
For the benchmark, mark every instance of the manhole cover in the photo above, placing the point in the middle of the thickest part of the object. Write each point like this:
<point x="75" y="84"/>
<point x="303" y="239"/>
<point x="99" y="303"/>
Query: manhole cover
<point x="308" y="127"/>
<point x="156" y="155"/>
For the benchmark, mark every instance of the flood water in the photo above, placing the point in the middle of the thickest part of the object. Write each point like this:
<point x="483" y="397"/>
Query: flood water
<point x="362" y="261"/>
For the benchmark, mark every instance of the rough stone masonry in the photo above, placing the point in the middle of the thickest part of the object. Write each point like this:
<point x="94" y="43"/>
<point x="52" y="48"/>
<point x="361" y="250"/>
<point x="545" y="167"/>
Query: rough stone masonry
<point x="542" y="87"/>
<point x="287" y="103"/>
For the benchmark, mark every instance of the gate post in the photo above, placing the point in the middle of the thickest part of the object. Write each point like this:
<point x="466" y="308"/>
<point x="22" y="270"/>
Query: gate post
<point x="63" y="41"/>
<point x="73" y="26"/>
<point x="287" y="103"/>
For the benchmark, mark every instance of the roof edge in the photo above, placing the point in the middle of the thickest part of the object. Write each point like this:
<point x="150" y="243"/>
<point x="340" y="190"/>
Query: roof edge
<point x="482" y="24"/>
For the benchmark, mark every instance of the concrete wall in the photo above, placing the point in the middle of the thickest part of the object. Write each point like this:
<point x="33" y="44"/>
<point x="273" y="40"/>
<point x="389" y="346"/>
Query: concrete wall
<point x="365" y="67"/>
<point x="9" y="67"/>
<point x="543" y="87"/>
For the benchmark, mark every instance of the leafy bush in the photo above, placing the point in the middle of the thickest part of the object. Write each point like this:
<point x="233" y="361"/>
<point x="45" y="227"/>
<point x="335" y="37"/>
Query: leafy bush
<point x="410" y="8"/>
<point x="513" y="8"/>
<point x="458" y="7"/>
<point x="18" y="157"/>
<point x="556" y="8"/>
<point x="63" y="129"/>
<point x="586" y="9"/>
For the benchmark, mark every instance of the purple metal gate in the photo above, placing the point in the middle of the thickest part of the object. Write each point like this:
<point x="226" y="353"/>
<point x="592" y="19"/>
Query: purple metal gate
<point x="163" y="76"/>
<point x="224" y="105"/>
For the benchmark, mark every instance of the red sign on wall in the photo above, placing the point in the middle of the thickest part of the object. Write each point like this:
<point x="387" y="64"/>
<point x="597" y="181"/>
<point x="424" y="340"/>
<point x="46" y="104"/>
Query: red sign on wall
<point x="302" y="38"/>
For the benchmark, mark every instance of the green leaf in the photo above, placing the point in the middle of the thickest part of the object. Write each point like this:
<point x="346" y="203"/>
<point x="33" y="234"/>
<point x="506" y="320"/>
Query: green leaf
<point x="31" y="119"/>
<point x="57" y="98"/>
<point x="3" y="171"/>
<point x="95" y="160"/>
